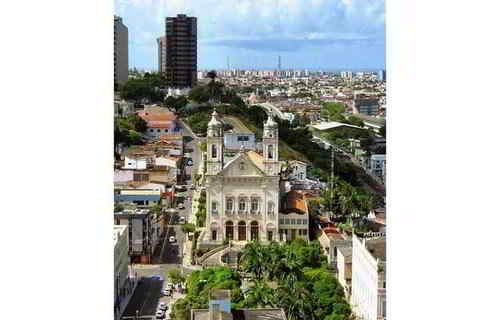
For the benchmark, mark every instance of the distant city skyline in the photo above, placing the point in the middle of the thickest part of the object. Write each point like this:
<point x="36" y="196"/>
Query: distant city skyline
<point x="322" y="35"/>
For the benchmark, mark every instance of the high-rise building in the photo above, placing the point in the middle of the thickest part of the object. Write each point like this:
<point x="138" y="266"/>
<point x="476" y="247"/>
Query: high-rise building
<point x="121" y="51"/>
<point x="162" y="54"/>
<point x="181" y="64"/>
<point x="381" y="75"/>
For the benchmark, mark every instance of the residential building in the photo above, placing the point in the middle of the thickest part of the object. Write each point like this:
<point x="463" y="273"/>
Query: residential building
<point x="235" y="140"/>
<point x="376" y="166"/>
<point x="298" y="170"/>
<point x="182" y="53"/>
<point x="144" y="232"/>
<point x="366" y="105"/>
<point x="162" y="54"/>
<point x="160" y="123"/>
<point x="219" y="308"/>
<point x="121" y="259"/>
<point x="120" y="51"/>
<point x="243" y="193"/>
<point x="294" y="217"/>
<point x="368" y="296"/>
<point x="140" y="197"/>
<point x="381" y="75"/>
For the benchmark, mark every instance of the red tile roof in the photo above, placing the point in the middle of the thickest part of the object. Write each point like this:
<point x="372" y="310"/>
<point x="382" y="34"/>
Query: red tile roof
<point x="157" y="116"/>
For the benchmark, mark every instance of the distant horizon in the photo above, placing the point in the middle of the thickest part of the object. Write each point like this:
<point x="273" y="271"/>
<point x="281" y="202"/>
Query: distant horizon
<point x="307" y="34"/>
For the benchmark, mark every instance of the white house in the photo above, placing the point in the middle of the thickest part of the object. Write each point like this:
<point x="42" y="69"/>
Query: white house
<point x="135" y="162"/>
<point x="242" y="194"/>
<point x="298" y="170"/>
<point x="368" y="298"/>
<point x="164" y="161"/>
<point x="344" y="267"/>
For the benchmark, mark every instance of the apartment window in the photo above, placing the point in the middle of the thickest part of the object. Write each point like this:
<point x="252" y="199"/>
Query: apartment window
<point x="281" y="221"/>
<point x="292" y="221"/>
<point x="242" y="204"/>
<point x="287" y="221"/>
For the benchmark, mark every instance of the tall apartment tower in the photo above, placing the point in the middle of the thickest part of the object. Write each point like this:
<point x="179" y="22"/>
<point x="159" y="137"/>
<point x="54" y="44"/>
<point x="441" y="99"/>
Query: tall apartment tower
<point x="182" y="53"/>
<point x="121" y="51"/>
<point x="162" y="54"/>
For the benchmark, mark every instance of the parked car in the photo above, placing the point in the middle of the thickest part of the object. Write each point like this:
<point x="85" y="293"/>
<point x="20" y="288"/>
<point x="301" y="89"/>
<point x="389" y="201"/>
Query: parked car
<point x="171" y="239"/>
<point x="167" y="293"/>
<point x="162" y="306"/>
<point x="182" y="220"/>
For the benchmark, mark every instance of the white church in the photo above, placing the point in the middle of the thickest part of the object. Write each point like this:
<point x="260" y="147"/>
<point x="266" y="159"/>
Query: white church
<point x="243" y="194"/>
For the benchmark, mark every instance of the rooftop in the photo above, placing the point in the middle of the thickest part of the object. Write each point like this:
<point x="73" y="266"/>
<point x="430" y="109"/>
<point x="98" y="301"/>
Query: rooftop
<point x="333" y="124"/>
<point x="244" y="314"/>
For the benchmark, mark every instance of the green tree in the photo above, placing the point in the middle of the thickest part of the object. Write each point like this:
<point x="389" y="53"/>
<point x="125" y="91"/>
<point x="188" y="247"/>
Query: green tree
<point x="259" y="295"/>
<point x="188" y="227"/>
<point x="175" y="276"/>
<point x="252" y="259"/>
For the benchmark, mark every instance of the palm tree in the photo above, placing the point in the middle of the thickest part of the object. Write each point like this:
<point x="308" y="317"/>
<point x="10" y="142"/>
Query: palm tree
<point x="296" y="300"/>
<point x="259" y="295"/>
<point x="253" y="260"/>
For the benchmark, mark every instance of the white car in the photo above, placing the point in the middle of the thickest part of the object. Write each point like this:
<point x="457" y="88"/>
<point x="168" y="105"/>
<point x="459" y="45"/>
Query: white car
<point x="171" y="239"/>
<point x="182" y="220"/>
<point x="162" y="306"/>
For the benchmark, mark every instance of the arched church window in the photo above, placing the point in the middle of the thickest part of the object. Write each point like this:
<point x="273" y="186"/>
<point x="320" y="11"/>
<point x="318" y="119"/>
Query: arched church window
<point x="270" y="151"/>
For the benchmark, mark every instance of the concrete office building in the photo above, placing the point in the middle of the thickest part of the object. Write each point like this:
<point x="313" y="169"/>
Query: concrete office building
<point x="121" y="51"/>
<point x="182" y="53"/>
<point x="162" y="54"/>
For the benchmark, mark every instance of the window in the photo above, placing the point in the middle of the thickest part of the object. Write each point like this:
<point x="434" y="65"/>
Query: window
<point x="214" y="207"/>
<point x="242" y="166"/>
<point x="166" y="130"/>
<point x="214" y="235"/>
<point x="299" y="221"/>
<point x="158" y="130"/>
<point x="281" y="221"/>
<point x="304" y="221"/>
<point x="243" y="138"/>
<point x="229" y="205"/>
<point x="287" y="221"/>
<point x="151" y="130"/>
<point x="269" y="236"/>
<point x="292" y="221"/>
<point x="242" y="204"/>
<point x="270" y="151"/>
<point x="255" y="205"/>
<point x="214" y="151"/>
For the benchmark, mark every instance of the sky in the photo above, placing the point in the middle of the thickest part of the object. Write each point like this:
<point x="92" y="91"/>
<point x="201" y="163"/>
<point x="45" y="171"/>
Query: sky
<point x="307" y="34"/>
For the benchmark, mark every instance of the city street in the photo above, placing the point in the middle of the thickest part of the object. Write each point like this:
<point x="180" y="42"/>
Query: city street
<point x="169" y="256"/>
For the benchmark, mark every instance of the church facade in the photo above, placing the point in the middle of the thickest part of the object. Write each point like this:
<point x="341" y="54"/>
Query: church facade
<point x="243" y="193"/>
